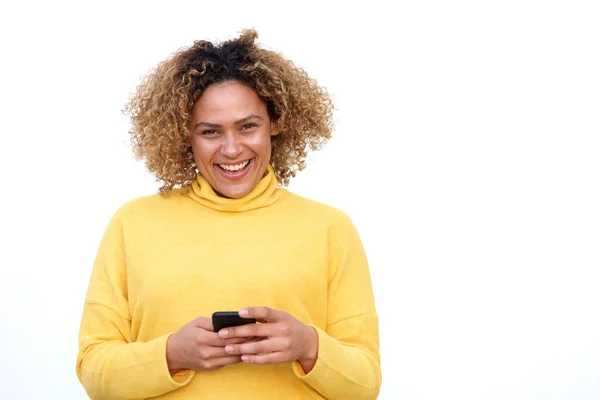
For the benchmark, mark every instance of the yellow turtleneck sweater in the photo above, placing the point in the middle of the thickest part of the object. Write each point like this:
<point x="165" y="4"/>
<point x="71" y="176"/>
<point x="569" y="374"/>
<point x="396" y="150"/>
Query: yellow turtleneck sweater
<point x="166" y="260"/>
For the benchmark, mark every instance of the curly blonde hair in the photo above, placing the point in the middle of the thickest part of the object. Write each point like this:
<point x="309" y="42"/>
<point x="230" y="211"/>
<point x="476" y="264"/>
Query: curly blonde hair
<point x="161" y="107"/>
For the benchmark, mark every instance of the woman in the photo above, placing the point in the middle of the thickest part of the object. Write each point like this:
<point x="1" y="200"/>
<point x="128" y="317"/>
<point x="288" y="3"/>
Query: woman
<point x="223" y="127"/>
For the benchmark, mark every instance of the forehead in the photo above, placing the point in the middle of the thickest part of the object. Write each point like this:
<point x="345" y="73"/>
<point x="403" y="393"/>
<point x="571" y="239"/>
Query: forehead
<point x="226" y="102"/>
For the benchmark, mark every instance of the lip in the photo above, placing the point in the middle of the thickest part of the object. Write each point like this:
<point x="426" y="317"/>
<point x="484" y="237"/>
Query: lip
<point x="234" y="175"/>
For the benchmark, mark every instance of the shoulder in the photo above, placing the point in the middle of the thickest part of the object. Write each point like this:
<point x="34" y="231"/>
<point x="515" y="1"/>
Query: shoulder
<point x="305" y="207"/>
<point x="321" y="218"/>
<point x="150" y="205"/>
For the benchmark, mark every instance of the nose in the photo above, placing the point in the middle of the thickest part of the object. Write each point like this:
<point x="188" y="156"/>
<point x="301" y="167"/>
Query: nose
<point x="231" y="146"/>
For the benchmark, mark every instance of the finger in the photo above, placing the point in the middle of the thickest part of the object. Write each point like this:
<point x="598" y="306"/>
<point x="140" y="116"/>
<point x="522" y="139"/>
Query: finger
<point x="256" y="339"/>
<point x="211" y="353"/>
<point x="240" y="340"/>
<point x="266" y="314"/>
<point x="270" y="358"/>
<point x="263" y="346"/>
<point x="212" y="339"/>
<point x="204" y="323"/>
<point x="248" y="331"/>
<point x="221" y="362"/>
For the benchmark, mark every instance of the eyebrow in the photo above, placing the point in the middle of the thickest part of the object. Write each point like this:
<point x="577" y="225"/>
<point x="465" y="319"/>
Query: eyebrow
<point x="238" y="122"/>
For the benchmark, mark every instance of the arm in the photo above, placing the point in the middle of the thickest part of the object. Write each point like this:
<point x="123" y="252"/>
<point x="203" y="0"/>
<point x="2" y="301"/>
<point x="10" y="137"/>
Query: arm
<point x="348" y="364"/>
<point x="110" y="365"/>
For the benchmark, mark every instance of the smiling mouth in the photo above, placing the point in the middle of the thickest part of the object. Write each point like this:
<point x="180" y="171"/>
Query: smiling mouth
<point x="234" y="167"/>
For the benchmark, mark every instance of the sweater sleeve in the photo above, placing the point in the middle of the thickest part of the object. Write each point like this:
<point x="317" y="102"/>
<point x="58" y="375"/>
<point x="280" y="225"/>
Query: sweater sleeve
<point x="348" y="363"/>
<point x="110" y="365"/>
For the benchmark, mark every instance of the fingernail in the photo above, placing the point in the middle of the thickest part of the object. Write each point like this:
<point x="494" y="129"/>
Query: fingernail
<point x="243" y="312"/>
<point x="245" y="358"/>
<point x="229" y="349"/>
<point x="223" y="332"/>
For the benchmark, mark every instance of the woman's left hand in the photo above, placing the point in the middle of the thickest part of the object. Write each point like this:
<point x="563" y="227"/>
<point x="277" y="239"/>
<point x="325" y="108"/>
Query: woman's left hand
<point x="285" y="339"/>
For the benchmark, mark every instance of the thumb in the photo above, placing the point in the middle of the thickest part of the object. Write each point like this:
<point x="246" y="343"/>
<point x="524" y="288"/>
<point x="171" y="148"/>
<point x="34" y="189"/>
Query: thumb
<point x="264" y="314"/>
<point x="203" y="323"/>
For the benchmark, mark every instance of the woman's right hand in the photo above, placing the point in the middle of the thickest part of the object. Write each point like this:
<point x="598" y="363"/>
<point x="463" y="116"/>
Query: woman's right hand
<point x="195" y="346"/>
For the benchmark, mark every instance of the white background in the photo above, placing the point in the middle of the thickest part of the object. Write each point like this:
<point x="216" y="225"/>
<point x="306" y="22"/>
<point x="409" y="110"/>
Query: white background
<point x="466" y="151"/>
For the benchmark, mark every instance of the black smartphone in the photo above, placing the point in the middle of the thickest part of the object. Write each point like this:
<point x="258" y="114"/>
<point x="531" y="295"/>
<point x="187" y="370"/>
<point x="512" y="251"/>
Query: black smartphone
<point x="226" y="319"/>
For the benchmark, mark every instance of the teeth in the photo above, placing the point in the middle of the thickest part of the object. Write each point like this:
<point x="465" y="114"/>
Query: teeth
<point x="234" y="167"/>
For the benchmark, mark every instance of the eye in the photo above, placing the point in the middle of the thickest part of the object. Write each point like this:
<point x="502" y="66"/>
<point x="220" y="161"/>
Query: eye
<point x="249" y="125"/>
<point x="208" y="132"/>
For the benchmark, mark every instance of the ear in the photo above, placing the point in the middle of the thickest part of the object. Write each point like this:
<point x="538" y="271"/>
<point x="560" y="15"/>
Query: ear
<point x="274" y="129"/>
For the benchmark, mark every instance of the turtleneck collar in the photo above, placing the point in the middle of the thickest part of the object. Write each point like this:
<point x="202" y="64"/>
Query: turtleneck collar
<point x="264" y="194"/>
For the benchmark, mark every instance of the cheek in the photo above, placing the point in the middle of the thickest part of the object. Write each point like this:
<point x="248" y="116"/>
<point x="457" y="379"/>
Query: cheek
<point x="262" y="143"/>
<point x="202" y="152"/>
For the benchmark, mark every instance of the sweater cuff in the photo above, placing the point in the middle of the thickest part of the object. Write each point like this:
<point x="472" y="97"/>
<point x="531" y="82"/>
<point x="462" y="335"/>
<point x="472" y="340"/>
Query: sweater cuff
<point x="319" y="373"/>
<point x="159" y="369"/>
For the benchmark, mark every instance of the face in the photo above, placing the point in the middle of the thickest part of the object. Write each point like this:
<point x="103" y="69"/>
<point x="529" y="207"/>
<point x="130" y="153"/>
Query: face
<point x="231" y="134"/>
